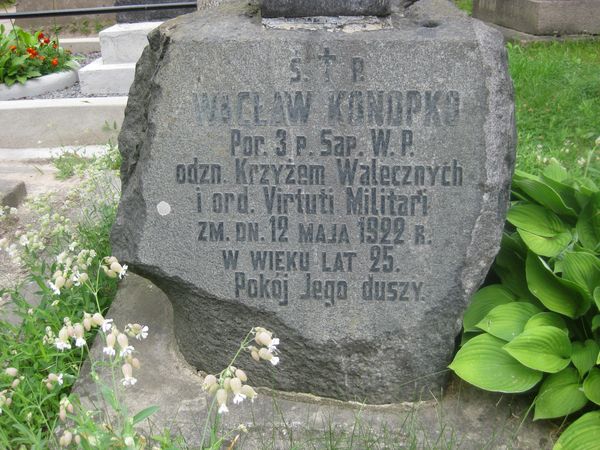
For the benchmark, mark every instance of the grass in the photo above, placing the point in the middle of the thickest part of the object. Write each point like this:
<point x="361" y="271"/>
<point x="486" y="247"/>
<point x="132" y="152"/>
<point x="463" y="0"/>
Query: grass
<point x="557" y="97"/>
<point x="465" y="5"/>
<point x="557" y="88"/>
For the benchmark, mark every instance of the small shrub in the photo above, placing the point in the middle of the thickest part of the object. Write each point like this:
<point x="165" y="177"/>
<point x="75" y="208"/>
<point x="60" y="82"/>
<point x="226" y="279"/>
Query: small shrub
<point x="539" y="327"/>
<point x="24" y="56"/>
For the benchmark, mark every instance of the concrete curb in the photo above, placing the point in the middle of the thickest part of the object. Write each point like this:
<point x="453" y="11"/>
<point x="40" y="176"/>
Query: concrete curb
<point x="54" y="123"/>
<point x="44" y="154"/>
<point x="81" y="45"/>
<point x="39" y="86"/>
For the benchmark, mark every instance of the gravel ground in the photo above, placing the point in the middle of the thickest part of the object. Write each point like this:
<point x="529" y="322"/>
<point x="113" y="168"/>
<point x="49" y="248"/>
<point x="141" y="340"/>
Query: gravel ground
<point x="72" y="91"/>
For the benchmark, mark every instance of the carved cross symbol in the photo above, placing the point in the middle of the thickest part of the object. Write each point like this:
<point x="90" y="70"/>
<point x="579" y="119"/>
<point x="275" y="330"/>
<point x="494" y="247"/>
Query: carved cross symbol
<point x="328" y="59"/>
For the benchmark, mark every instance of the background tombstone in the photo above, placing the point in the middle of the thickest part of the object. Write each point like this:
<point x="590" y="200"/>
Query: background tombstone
<point x="542" y="17"/>
<point x="344" y="189"/>
<point x="152" y="16"/>
<point x="88" y="23"/>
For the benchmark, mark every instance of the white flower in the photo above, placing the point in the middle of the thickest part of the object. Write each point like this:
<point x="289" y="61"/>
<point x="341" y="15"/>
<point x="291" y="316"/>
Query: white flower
<point x="72" y="246"/>
<point x="55" y="289"/>
<point x="127" y="370"/>
<point x="223" y="409"/>
<point x="123" y="272"/>
<point x="61" y="257"/>
<point x="238" y="398"/>
<point x="128" y="381"/>
<point x="126" y="351"/>
<point x="110" y="351"/>
<point x="137" y="331"/>
<point x="273" y="345"/>
<point x="106" y="325"/>
<point x="143" y="333"/>
<point x="129" y="442"/>
<point x="62" y="345"/>
<point x="59" y="379"/>
<point x="274" y="360"/>
<point x="24" y="241"/>
<point x="80" y="342"/>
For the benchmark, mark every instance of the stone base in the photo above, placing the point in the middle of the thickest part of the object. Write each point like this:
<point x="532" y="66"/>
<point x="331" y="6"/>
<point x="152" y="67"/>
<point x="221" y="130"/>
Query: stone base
<point x="475" y="418"/>
<point x="100" y="78"/>
<point x="542" y="17"/>
<point x="125" y="42"/>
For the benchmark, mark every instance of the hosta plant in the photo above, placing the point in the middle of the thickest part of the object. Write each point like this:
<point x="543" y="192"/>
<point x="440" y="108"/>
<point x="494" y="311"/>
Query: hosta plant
<point x="24" y="56"/>
<point x="538" y="327"/>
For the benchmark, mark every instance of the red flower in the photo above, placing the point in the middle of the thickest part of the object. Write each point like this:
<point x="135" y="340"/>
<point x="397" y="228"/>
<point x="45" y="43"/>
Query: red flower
<point x="54" y="62"/>
<point x="41" y="57"/>
<point x="41" y="36"/>
<point x="13" y="48"/>
<point x="32" y="52"/>
<point x="55" y="45"/>
<point x="46" y="40"/>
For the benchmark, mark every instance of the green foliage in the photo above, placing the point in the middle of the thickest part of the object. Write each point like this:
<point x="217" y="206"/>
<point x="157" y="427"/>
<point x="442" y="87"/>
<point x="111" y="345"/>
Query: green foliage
<point x="24" y="56"/>
<point x="541" y="322"/>
<point x="465" y="5"/>
<point x="33" y="415"/>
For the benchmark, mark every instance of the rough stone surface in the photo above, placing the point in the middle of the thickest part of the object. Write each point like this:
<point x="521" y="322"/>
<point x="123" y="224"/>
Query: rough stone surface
<point x="462" y="416"/>
<point x="305" y="8"/>
<point x="12" y="193"/>
<point x="542" y="17"/>
<point x="439" y="85"/>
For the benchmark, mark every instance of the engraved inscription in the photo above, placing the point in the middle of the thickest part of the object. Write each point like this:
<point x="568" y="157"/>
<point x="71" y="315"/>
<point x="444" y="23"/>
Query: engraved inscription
<point x="325" y="195"/>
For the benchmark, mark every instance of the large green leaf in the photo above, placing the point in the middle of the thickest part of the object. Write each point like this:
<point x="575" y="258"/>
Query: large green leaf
<point x="591" y="386"/>
<point x="546" y="246"/>
<point x="547" y="319"/>
<point x="597" y="297"/>
<point x="541" y="348"/>
<point x="484" y="363"/>
<point x="584" y="355"/>
<point x="559" y="395"/>
<point x="510" y="264"/>
<point x="582" y="269"/>
<point x="482" y="302"/>
<point x="545" y="195"/>
<point x="583" y="434"/>
<point x="556" y="294"/>
<point x="595" y="323"/>
<point x="555" y="172"/>
<point x="588" y="224"/>
<point x="536" y="220"/>
<point x="507" y="321"/>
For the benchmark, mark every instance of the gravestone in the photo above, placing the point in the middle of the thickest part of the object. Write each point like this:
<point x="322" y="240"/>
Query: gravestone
<point x="341" y="181"/>
<point x="542" y="17"/>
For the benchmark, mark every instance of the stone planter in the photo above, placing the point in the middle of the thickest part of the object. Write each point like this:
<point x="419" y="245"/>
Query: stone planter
<point x="39" y="86"/>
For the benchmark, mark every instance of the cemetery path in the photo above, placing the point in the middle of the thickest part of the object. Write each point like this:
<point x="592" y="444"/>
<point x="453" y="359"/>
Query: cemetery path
<point x="39" y="176"/>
